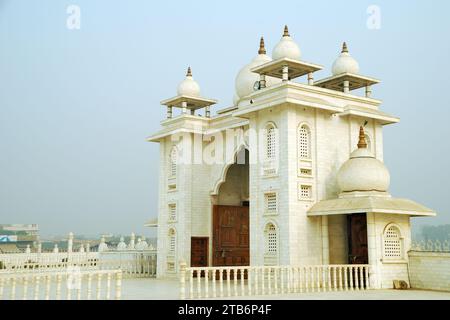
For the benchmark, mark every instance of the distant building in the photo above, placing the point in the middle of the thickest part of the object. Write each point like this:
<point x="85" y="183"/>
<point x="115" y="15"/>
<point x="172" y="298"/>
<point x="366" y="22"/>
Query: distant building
<point x="16" y="237"/>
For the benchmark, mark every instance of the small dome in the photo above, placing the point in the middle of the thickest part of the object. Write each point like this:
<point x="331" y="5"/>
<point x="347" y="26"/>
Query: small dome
<point x="189" y="87"/>
<point x="245" y="79"/>
<point x="286" y="48"/>
<point x="345" y="63"/>
<point x="121" y="246"/>
<point x="363" y="172"/>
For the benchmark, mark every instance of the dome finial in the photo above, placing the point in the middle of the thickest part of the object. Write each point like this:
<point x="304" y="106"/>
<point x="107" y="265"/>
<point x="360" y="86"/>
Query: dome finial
<point x="362" y="138"/>
<point x="344" y="48"/>
<point x="286" y="31"/>
<point x="189" y="72"/>
<point x="262" y="48"/>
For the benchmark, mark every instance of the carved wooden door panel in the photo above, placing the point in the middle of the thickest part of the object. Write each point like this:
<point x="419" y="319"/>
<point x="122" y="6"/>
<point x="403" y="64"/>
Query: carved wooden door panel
<point x="231" y="236"/>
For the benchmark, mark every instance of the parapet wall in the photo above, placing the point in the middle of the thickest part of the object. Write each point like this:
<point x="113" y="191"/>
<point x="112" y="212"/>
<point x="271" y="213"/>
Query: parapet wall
<point x="429" y="270"/>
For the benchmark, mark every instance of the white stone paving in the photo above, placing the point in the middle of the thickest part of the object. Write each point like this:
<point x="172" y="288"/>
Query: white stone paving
<point x="149" y="289"/>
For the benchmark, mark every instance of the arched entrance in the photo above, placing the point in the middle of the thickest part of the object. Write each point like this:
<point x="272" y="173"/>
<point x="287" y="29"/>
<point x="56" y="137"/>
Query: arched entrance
<point x="231" y="226"/>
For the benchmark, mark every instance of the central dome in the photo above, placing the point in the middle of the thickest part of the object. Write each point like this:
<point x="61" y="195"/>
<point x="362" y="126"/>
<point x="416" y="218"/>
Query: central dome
<point x="245" y="79"/>
<point x="363" y="172"/>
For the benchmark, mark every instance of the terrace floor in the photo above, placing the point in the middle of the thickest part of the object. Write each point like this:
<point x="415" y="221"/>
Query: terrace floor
<point x="150" y="289"/>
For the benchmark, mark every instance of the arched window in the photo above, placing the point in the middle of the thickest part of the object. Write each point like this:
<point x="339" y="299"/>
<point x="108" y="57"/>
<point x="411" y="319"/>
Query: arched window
<point x="172" y="241"/>
<point x="304" y="142"/>
<point x="271" y="142"/>
<point x="392" y="243"/>
<point x="173" y="160"/>
<point x="271" y="236"/>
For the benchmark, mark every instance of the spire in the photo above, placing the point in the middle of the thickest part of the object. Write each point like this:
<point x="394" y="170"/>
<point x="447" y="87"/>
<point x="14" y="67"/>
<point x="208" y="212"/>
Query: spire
<point x="286" y="31"/>
<point x="262" y="49"/>
<point x="362" y="138"/>
<point x="344" y="48"/>
<point x="189" y="72"/>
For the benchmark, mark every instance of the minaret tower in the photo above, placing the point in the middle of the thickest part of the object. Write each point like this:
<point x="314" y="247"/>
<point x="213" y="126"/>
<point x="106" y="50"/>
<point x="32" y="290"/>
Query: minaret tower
<point x="188" y="98"/>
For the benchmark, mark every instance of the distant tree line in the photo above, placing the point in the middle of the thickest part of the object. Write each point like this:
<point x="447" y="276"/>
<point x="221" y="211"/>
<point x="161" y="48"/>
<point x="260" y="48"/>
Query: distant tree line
<point x="441" y="232"/>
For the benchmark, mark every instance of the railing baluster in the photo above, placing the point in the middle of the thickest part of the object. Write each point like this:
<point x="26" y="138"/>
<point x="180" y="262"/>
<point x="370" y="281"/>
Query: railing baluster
<point x="206" y="284"/>
<point x="345" y="278"/>
<point x="324" y="283"/>
<point x="263" y="271"/>
<point x="48" y="280"/>
<point x="367" y="277"/>
<point x="25" y="287"/>
<point x="199" y="284"/>
<point x="221" y="281"/>
<point x="108" y="286"/>
<point x="242" y="282"/>
<point x="36" y="287"/>
<point x="13" y="288"/>
<point x="275" y="278"/>
<point x="99" y="286"/>
<point x="235" y="281"/>
<point x="356" y="278"/>
<point x="118" y="285"/>
<point x="300" y="278"/>
<point x="228" y="282"/>
<point x="213" y="279"/>
<point x="191" y="283"/>
<point x="361" y="278"/>
<point x="89" y="286"/>
<point x="249" y="280"/>
<point x="351" y="278"/>
<point x="318" y="277"/>
<point x="58" y="286"/>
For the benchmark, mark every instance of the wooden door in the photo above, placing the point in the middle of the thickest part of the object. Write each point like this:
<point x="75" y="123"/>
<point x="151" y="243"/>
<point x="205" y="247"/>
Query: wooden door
<point x="199" y="252"/>
<point x="357" y="238"/>
<point x="231" y="236"/>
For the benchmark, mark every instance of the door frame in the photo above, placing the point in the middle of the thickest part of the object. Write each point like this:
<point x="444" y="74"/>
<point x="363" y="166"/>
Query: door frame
<point x="350" y="236"/>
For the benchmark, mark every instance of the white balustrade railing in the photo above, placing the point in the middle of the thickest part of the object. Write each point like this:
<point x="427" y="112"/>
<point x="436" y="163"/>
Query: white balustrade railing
<point x="431" y="246"/>
<point x="216" y="282"/>
<point x="57" y="285"/>
<point x="132" y="263"/>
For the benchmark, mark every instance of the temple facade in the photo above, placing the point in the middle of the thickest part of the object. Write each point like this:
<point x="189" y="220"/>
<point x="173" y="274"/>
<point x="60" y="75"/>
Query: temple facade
<point x="291" y="173"/>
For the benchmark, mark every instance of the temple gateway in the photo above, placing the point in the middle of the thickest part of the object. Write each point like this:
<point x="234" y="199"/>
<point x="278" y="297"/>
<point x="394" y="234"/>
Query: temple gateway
<point x="291" y="173"/>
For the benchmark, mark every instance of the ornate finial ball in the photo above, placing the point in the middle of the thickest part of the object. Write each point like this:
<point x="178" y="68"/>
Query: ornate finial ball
<point x="344" y="47"/>
<point x="286" y="31"/>
<point x="262" y="48"/>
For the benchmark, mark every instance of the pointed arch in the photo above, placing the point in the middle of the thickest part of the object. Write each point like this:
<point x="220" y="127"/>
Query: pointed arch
<point x="223" y="175"/>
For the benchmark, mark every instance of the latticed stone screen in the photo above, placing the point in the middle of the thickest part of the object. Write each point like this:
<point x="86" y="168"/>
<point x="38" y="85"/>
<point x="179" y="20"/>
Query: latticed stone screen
<point x="392" y="243"/>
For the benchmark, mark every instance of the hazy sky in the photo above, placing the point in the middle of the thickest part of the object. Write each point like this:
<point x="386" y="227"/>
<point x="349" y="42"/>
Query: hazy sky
<point x="77" y="105"/>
